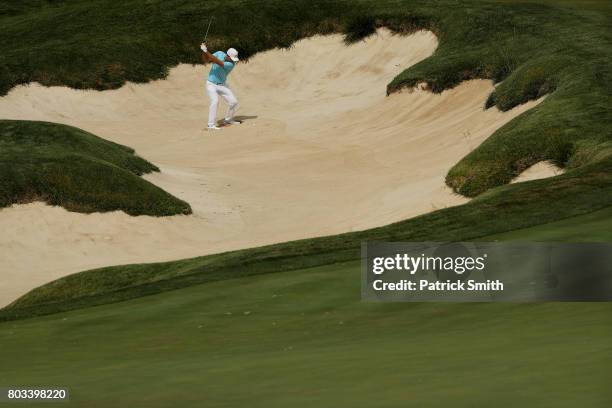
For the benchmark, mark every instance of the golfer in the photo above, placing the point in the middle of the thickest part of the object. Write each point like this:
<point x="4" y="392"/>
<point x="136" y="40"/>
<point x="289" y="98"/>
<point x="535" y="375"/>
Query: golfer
<point x="223" y="64"/>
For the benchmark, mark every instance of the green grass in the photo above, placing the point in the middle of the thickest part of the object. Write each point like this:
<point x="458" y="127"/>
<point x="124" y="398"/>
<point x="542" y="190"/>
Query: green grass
<point x="304" y="339"/>
<point x="592" y="227"/>
<point x="65" y="166"/>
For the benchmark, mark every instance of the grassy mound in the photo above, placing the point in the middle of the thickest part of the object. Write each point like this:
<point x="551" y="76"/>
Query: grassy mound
<point x="65" y="166"/>
<point x="306" y="333"/>
<point x="533" y="50"/>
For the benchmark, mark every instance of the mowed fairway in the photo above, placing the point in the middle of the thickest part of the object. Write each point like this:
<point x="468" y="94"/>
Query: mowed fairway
<point x="304" y="339"/>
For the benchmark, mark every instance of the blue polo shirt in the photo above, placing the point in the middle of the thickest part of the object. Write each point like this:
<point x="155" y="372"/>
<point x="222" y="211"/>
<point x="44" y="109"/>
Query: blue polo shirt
<point x="217" y="74"/>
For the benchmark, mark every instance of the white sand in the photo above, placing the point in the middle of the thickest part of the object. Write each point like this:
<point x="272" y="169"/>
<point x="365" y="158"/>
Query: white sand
<point x="327" y="153"/>
<point x="539" y="170"/>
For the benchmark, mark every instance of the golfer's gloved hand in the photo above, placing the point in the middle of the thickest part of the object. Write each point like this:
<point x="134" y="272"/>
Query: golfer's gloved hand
<point x="203" y="47"/>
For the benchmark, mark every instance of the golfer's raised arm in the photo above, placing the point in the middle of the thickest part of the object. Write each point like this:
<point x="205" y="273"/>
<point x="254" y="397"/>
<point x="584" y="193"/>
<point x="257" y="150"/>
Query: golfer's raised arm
<point x="208" y="56"/>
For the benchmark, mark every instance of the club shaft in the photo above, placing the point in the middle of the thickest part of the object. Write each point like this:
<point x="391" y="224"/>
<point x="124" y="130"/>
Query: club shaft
<point x="208" y="28"/>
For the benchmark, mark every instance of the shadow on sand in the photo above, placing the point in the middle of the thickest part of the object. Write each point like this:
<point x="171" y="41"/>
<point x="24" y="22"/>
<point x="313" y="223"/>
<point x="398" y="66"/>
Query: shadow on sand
<point x="239" y="118"/>
<point x="243" y="118"/>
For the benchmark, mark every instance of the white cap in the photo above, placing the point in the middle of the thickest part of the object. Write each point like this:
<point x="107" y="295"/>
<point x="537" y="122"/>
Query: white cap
<point x="233" y="54"/>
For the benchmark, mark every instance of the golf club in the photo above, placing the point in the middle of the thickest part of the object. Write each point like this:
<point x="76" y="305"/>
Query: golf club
<point x="208" y="28"/>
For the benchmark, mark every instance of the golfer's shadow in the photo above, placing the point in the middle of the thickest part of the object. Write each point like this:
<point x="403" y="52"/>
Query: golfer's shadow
<point x="239" y="118"/>
<point x="244" y="118"/>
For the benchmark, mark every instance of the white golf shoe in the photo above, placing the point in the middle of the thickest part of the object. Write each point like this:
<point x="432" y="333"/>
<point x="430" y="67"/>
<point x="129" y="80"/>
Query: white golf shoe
<point x="213" y="127"/>
<point x="231" y="122"/>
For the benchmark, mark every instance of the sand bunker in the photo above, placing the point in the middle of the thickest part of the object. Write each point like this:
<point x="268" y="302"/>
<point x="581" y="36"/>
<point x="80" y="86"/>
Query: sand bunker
<point x="322" y="151"/>
<point x="539" y="170"/>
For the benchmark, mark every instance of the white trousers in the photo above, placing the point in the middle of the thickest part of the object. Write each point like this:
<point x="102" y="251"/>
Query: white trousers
<point x="214" y="91"/>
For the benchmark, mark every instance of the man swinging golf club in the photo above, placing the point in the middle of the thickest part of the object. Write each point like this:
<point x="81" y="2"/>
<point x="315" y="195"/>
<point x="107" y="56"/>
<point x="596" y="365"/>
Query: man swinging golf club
<point x="216" y="85"/>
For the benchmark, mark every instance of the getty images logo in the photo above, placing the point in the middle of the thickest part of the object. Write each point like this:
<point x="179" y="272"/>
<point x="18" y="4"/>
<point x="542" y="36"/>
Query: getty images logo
<point x="446" y="261"/>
